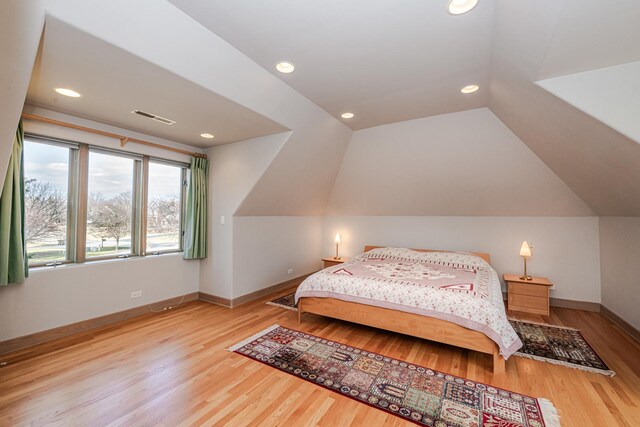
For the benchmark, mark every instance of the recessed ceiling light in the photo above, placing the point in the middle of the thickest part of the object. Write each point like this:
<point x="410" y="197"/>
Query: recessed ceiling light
<point x="470" y="89"/>
<point x="67" y="92"/>
<point x="285" y="67"/>
<point x="458" y="7"/>
<point x="206" y="135"/>
<point x="347" y="115"/>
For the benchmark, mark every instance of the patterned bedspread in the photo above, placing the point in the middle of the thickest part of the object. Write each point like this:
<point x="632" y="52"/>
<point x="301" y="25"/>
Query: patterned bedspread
<point x="457" y="287"/>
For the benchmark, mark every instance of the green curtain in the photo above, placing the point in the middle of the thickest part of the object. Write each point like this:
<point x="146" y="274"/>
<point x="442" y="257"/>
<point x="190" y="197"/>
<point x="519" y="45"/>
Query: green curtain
<point x="14" y="265"/>
<point x="195" y="235"/>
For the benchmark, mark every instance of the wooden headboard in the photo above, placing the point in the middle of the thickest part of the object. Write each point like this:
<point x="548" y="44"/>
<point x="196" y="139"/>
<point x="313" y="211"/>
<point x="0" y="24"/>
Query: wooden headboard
<point x="482" y="255"/>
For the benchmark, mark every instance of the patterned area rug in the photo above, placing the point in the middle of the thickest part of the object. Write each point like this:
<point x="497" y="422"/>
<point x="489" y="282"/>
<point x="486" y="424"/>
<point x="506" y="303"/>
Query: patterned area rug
<point x="558" y="345"/>
<point x="547" y="343"/>
<point x="287" y="302"/>
<point x="415" y="393"/>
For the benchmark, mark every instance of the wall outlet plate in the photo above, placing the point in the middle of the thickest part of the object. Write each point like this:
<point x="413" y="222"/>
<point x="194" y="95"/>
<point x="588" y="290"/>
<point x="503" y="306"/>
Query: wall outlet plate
<point x="136" y="294"/>
<point x="290" y="271"/>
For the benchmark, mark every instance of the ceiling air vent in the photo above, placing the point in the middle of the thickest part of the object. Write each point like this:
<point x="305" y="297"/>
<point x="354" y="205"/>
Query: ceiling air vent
<point x="153" y="117"/>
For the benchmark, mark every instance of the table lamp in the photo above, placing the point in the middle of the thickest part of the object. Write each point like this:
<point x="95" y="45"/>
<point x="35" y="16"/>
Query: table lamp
<point x="337" y="240"/>
<point x="525" y="252"/>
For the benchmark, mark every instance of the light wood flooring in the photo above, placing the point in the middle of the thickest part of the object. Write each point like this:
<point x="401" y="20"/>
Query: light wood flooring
<point x="172" y="369"/>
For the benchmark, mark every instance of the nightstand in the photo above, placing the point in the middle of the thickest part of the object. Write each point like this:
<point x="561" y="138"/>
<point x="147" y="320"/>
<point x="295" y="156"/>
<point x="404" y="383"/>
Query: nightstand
<point x="331" y="261"/>
<point x="529" y="296"/>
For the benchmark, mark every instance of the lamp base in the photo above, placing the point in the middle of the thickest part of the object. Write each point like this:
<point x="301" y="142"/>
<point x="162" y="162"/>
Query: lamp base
<point x="525" y="276"/>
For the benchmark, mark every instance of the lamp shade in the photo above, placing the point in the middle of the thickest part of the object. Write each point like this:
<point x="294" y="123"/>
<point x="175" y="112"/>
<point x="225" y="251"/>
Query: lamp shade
<point x="525" y="250"/>
<point x="337" y="239"/>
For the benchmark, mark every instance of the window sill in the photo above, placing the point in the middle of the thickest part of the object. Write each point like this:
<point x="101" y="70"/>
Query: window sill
<point x="103" y="261"/>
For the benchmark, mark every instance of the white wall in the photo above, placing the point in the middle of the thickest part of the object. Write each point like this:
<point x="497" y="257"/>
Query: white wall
<point x="465" y="163"/>
<point x="233" y="171"/>
<point x="620" y="258"/>
<point x="566" y="249"/>
<point x="53" y="297"/>
<point x="20" y="29"/>
<point x="265" y="248"/>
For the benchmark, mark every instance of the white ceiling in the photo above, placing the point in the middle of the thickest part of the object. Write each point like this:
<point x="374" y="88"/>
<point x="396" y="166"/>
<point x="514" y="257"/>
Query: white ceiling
<point x="114" y="82"/>
<point x="384" y="61"/>
<point x="592" y="34"/>
<point x="610" y="94"/>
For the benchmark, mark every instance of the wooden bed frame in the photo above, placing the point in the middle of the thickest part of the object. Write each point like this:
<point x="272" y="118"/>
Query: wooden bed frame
<point x="405" y="323"/>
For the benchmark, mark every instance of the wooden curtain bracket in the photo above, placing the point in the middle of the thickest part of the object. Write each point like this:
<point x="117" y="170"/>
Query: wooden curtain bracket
<point x="123" y="139"/>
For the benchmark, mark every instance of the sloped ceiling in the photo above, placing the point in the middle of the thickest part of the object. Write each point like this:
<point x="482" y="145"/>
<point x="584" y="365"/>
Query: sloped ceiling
<point x="610" y="94"/>
<point x="21" y="25"/>
<point x="587" y="35"/>
<point x="597" y="162"/>
<point x="114" y="82"/>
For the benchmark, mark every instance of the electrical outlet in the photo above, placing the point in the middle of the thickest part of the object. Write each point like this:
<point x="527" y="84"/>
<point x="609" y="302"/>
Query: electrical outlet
<point x="290" y="271"/>
<point x="136" y="294"/>
<point x="222" y="220"/>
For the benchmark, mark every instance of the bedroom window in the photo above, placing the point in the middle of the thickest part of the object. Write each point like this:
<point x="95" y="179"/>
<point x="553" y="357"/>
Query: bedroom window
<point x="165" y="195"/>
<point x="49" y="190"/>
<point x="87" y="203"/>
<point x="112" y="192"/>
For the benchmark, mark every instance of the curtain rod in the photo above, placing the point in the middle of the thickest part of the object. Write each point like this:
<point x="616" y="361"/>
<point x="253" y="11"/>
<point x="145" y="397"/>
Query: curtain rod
<point x="123" y="139"/>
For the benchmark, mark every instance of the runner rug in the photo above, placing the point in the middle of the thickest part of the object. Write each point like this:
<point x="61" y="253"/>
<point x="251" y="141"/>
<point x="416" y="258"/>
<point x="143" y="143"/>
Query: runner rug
<point x="416" y="393"/>
<point x="547" y="343"/>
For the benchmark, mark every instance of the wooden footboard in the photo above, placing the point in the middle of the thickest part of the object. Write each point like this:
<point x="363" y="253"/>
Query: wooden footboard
<point x="405" y="323"/>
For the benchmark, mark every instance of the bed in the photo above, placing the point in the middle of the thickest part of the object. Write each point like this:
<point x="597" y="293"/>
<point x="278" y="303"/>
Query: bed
<point x="449" y="297"/>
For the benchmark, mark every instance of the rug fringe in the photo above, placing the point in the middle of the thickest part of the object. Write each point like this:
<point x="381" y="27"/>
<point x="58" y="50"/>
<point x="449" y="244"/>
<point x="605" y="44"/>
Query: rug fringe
<point x="252" y="338"/>
<point x="286" y="307"/>
<point x="543" y="324"/>
<point x="566" y="364"/>
<point x="550" y="414"/>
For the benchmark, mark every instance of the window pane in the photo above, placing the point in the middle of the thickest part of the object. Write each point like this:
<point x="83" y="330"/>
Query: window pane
<point x="109" y="205"/>
<point x="46" y="181"/>
<point x="163" y="208"/>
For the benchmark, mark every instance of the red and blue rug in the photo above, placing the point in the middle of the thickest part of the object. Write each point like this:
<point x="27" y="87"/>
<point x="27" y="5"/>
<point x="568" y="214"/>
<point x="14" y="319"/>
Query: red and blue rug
<point x="416" y="393"/>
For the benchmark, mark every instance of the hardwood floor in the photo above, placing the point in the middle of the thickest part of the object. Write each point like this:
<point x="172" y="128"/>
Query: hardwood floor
<point x="173" y="369"/>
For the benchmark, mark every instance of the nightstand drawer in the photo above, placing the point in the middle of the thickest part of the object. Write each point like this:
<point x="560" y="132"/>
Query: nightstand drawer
<point x="528" y="289"/>
<point x="531" y="304"/>
<point x="328" y="264"/>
